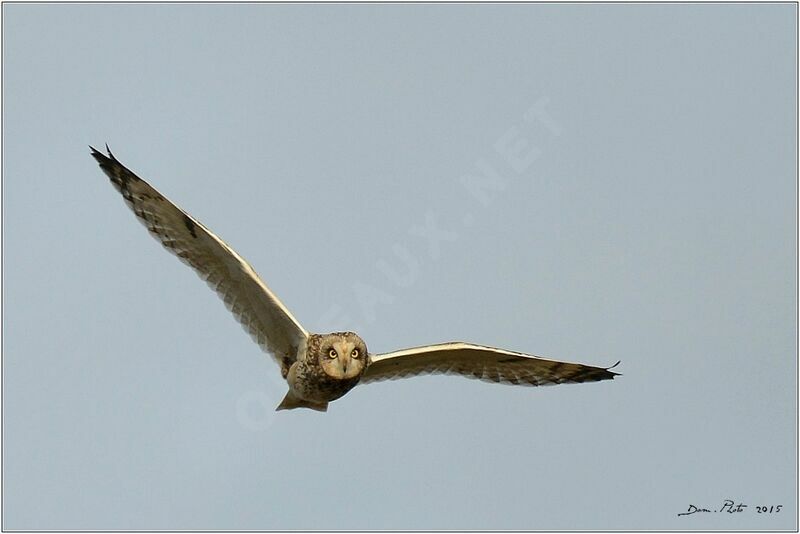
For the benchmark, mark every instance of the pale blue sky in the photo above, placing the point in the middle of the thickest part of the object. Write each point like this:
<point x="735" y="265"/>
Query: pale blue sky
<point x="647" y="215"/>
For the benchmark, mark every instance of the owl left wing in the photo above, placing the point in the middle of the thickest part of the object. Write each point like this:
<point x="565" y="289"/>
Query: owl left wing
<point x="484" y="363"/>
<point x="259" y="311"/>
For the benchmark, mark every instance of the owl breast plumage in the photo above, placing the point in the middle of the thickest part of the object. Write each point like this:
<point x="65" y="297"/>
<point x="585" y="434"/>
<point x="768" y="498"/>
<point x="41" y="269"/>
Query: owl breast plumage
<point x="318" y="368"/>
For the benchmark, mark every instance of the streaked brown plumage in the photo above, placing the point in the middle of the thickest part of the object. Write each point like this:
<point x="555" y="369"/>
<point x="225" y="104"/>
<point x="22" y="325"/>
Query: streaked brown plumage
<point x="318" y="368"/>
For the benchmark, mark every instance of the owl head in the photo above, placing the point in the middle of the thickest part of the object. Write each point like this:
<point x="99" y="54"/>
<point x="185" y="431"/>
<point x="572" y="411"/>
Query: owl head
<point x="342" y="355"/>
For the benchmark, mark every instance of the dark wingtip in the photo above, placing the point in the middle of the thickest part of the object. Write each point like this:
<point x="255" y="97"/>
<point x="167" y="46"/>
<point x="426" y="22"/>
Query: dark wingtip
<point x="102" y="158"/>
<point x="99" y="156"/>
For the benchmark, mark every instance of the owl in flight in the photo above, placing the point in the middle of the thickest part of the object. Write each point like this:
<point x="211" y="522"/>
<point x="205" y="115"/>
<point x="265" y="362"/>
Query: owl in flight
<point x="319" y="368"/>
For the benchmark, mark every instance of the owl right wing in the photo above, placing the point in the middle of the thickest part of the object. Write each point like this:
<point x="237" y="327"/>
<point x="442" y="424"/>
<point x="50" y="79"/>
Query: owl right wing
<point x="484" y="363"/>
<point x="259" y="311"/>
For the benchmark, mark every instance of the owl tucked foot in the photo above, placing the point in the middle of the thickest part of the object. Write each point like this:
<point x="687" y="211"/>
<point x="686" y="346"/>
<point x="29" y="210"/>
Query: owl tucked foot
<point x="290" y="402"/>
<point x="286" y="364"/>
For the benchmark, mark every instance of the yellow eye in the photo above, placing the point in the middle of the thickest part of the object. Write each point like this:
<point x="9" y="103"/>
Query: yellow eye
<point x="332" y="353"/>
<point x="355" y="353"/>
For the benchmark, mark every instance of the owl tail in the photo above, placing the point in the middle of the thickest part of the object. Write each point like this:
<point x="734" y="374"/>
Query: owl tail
<point x="290" y="402"/>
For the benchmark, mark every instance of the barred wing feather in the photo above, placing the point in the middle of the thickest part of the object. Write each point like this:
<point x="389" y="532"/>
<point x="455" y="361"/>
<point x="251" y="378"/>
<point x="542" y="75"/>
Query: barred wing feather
<point x="484" y="363"/>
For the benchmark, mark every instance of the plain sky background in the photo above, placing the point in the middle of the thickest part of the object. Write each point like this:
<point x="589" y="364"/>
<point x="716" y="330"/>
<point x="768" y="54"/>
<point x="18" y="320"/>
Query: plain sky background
<point x="589" y="183"/>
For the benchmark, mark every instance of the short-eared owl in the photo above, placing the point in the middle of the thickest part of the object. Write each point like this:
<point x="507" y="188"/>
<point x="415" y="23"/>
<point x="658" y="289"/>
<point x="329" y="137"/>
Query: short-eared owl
<point x="318" y="368"/>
